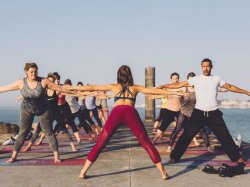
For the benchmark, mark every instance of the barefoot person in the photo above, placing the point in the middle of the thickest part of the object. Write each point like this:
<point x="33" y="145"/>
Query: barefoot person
<point x="34" y="103"/>
<point x="172" y="110"/>
<point x="52" y="98"/>
<point x="206" y="112"/>
<point x="124" y="112"/>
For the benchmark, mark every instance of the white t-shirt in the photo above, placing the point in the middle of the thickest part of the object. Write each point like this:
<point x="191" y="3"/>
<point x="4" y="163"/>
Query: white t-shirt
<point x="206" y="90"/>
<point x="73" y="104"/>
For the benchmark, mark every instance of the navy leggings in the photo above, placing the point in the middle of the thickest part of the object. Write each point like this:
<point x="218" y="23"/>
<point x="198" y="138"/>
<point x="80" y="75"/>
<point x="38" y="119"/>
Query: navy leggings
<point x="127" y="115"/>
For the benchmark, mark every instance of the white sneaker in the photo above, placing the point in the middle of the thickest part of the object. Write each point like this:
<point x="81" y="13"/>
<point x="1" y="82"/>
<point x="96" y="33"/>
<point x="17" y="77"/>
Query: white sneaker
<point x="9" y="142"/>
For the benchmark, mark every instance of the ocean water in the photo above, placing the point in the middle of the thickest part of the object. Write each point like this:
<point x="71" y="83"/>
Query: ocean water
<point x="237" y="120"/>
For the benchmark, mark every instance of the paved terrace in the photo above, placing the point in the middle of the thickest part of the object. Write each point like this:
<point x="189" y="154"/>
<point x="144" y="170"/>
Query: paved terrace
<point x="122" y="163"/>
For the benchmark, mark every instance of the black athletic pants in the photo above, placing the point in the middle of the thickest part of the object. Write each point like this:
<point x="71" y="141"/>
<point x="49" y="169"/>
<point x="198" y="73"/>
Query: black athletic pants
<point x="214" y="121"/>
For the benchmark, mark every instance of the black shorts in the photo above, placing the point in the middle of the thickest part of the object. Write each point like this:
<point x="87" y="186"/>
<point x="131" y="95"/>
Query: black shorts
<point x="168" y="117"/>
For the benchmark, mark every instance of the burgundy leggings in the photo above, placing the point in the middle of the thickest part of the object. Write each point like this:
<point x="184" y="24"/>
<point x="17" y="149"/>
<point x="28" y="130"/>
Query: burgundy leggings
<point x="127" y="115"/>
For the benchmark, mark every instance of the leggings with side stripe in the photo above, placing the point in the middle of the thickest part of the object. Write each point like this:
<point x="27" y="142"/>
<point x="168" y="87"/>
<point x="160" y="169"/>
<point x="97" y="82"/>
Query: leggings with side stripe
<point x="127" y="115"/>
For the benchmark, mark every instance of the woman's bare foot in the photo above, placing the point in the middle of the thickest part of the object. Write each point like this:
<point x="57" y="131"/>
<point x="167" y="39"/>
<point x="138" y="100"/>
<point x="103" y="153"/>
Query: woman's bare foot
<point x="57" y="160"/>
<point x="28" y="148"/>
<point x="73" y="147"/>
<point x="39" y="143"/>
<point x="196" y="143"/>
<point x="165" y="176"/>
<point x="169" y="149"/>
<point x="82" y="176"/>
<point x="11" y="160"/>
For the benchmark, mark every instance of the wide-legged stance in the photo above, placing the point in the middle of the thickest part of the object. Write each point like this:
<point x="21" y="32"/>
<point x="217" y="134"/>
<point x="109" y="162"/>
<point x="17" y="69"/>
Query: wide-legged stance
<point x="127" y="115"/>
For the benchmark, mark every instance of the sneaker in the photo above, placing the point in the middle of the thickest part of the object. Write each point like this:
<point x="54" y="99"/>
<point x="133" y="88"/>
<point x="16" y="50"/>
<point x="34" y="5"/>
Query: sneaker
<point x="9" y="142"/>
<point x="230" y="171"/>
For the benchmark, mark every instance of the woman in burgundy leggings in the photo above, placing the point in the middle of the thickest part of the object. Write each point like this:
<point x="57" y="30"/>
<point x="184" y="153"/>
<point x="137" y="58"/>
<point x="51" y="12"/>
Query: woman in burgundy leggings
<point x="124" y="113"/>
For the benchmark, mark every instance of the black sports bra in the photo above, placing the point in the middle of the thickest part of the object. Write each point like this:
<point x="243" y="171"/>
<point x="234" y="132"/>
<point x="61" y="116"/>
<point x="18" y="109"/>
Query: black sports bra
<point x="122" y="92"/>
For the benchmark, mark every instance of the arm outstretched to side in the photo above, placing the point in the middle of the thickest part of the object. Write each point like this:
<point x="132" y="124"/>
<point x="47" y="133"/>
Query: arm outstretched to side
<point x="175" y="85"/>
<point x="233" y="88"/>
<point x="11" y="87"/>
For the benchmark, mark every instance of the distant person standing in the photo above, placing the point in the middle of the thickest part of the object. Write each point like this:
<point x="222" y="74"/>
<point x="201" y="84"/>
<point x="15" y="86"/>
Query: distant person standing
<point x="171" y="113"/>
<point x="102" y="107"/>
<point x="91" y="106"/>
<point x="206" y="112"/>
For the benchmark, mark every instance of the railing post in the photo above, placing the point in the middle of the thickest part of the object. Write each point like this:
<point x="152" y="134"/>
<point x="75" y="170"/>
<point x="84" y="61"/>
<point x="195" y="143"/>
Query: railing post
<point x="149" y="104"/>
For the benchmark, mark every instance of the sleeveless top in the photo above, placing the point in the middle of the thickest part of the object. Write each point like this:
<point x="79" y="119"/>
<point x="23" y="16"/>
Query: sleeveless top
<point x="34" y="100"/>
<point x="61" y="99"/>
<point x="121" y="94"/>
<point x="52" y="100"/>
<point x="188" y="104"/>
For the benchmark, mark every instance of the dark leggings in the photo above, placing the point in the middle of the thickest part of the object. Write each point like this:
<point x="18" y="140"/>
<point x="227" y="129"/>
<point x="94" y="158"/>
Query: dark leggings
<point x="214" y="121"/>
<point x="68" y="118"/>
<point x="60" y="123"/>
<point x="182" y="123"/>
<point x="124" y="114"/>
<point x="96" y="116"/>
<point x="81" y="117"/>
<point x="25" y="126"/>
<point x="87" y="116"/>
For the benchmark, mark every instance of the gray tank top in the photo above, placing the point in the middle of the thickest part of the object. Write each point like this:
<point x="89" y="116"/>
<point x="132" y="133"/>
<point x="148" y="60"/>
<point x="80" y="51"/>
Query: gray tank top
<point x="34" y="100"/>
<point x="188" y="104"/>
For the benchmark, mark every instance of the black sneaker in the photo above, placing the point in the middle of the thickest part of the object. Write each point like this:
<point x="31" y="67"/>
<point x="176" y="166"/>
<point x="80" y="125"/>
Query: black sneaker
<point x="230" y="171"/>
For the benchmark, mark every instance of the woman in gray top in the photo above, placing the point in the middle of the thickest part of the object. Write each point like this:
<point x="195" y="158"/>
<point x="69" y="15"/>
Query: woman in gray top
<point x="33" y="90"/>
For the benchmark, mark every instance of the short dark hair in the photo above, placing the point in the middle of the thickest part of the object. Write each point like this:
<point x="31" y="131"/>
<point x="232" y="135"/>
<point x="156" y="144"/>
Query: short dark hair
<point x="68" y="82"/>
<point x="29" y="65"/>
<point x="173" y="74"/>
<point x="80" y="83"/>
<point x="50" y="75"/>
<point x="56" y="75"/>
<point x="191" y="74"/>
<point x="207" y="60"/>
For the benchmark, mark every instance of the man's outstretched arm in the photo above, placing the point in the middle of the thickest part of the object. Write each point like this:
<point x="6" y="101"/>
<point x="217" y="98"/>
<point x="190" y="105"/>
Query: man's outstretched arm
<point x="233" y="88"/>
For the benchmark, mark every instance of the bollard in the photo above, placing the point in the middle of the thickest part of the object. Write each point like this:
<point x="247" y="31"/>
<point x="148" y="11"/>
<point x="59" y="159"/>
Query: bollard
<point x="149" y="104"/>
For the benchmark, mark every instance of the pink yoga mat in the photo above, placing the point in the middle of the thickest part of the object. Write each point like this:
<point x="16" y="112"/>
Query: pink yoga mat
<point x="46" y="150"/>
<point x="42" y="162"/>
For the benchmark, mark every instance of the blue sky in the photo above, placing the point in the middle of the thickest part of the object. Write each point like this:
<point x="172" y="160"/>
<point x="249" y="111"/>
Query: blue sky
<point x="88" y="40"/>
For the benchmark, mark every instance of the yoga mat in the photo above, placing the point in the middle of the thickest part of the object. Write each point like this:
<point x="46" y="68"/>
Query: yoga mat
<point x="46" y="150"/>
<point x="42" y="162"/>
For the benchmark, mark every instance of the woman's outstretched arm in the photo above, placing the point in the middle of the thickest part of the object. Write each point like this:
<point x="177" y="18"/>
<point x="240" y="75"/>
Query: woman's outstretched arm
<point x="11" y="87"/>
<point x="156" y="91"/>
<point x="108" y="87"/>
<point x="50" y="85"/>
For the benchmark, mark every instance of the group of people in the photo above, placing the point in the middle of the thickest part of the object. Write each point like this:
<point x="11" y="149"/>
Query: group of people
<point x="198" y="110"/>
<point x="177" y="109"/>
<point x="49" y="101"/>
